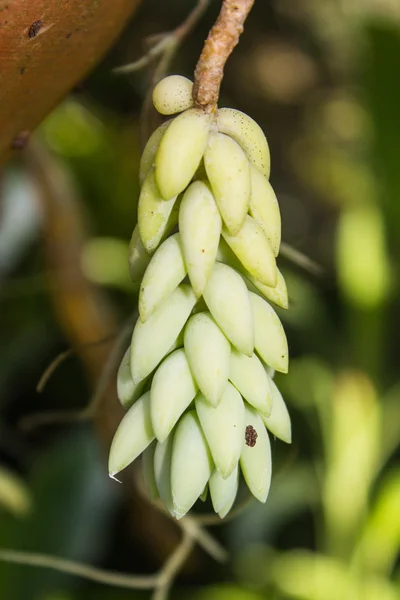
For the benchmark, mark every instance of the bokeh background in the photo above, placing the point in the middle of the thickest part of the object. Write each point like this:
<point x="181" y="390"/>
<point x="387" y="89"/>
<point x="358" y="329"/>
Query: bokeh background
<point x="323" y="80"/>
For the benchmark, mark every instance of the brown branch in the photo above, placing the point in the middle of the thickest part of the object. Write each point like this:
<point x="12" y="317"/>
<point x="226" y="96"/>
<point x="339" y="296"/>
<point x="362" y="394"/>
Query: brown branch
<point x="219" y="45"/>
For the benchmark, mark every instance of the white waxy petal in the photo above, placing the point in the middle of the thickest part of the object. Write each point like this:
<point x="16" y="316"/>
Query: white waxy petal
<point x="223" y="426"/>
<point x="270" y="339"/>
<point x="208" y="353"/>
<point x="152" y="340"/>
<point x="191" y="464"/>
<point x="153" y="213"/>
<point x="264" y="208"/>
<point x="228" y="172"/>
<point x="127" y="391"/>
<point x="249" y="377"/>
<point x="278" y="422"/>
<point x="172" y="390"/>
<point x="228" y="301"/>
<point x="246" y="132"/>
<point x="173" y="94"/>
<point x="147" y="160"/>
<point x="180" y="151"/>
<point x="162" y="472"/>
<point x="278" y="295"/>
<point x="200" y="229"/>
<point x="138" y="256"/>
<point x="222" y="490"/>
<point x="164" y="273"/>
<point x="133" y="435"/>
<point x="254" y="251"/>
<point x="148" y="472"/>
<point x="255" y="460"/>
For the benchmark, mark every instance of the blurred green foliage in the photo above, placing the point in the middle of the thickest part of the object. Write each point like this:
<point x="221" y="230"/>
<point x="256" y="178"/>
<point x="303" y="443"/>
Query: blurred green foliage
<point x="331" y="527"/>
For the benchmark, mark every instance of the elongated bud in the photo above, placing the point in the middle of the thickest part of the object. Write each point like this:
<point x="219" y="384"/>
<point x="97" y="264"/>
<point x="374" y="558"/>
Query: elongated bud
<point x="254" y="251"/>
<point x="162" y="472"/>
<point x="255" y="460"/>
<point x="208" y="353"/>
<point x="162" y="276"/>
<point x="264" y="208"/>
<point x="200" y="228"/>
<point x="249" y="377"/>
<point x="278" y="422"/>
<point x="180" y="151"/>
<point x="191" y="464"/>
<point x="133" y="435"/>
<point x="270" y="339"/>
<point x="127" y="391"/>
<point x="246" y="132"/>
<point x="223" y="491"/>
<point x="228" y="300"/>
<point x="147" y="162"/>
<point x="232" y="194"/>
<point x="153" y="339"/>
<point x="153" y="213"/>
<point x="172" y="390"/>
<point x="223" y="427"/>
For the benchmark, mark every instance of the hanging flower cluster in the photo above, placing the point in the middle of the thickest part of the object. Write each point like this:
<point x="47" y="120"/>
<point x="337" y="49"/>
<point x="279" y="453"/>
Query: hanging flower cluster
<point x="197" y="378"/>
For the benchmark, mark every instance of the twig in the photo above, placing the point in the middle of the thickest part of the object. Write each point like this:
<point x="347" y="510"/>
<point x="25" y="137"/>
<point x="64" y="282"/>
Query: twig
<point x="172" y="43"/>
<point x="172" y="567"/>
<point x="219" y="45"/>
<point x="161" y="582"/>
<point x="45" y="561"/>
<point x="85" y="414"/>
<point x="299" y="259"/>
<point x="169" y="42"/>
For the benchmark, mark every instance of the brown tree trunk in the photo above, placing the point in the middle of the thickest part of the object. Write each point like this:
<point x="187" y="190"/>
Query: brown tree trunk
<point x="46" y="47"/>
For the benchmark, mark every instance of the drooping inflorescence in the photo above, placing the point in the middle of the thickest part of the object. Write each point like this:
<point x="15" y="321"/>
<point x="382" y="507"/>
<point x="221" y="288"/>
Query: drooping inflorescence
<point x="197" y="378"/>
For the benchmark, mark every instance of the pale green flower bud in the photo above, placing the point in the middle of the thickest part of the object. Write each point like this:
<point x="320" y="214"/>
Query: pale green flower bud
<point x="162" y="472"/>
<point x="228" y="171"/>
<point x="249" y="377"/>
<point x="264" y="208"/>
<point x="200" y="229"/>
<point x="229" y="303"/>
<point x="173" y="94"/>
<point x="246" y="132"/>
<point x="270" y="339"/>
<point x="208" y="353"/>
<point x="127" y="391"/>
<point x="255" y="460"/>
<point x="278" y="421"/>
<point x="138" y="256"/>
<point x="153" y="213"/>
<point x="278" y="295"/>
<point x="133" y="435"/>
<point x="223" y="491"/>
<point x="172" y="390"/>
<point x="254" y="251"/>
<point x="180" y="151"/>
<point x="153" y="339"/>
<point x="147" y="161"/>
<point x="163" y="275"/>
<point x="191" y="464"/>
<point x="148" y="472"/>
<point x="223" y="426"/>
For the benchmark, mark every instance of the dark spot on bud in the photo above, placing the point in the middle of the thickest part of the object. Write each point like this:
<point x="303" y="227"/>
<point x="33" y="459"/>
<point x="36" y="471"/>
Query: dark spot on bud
<point x="203" y="250"/>
<point x="34" y="28"/>
<point x="20" y="141"/>
<point x="250" y="436"/>
<point x="22" y="70"/>
<point x="68" y="35"/>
